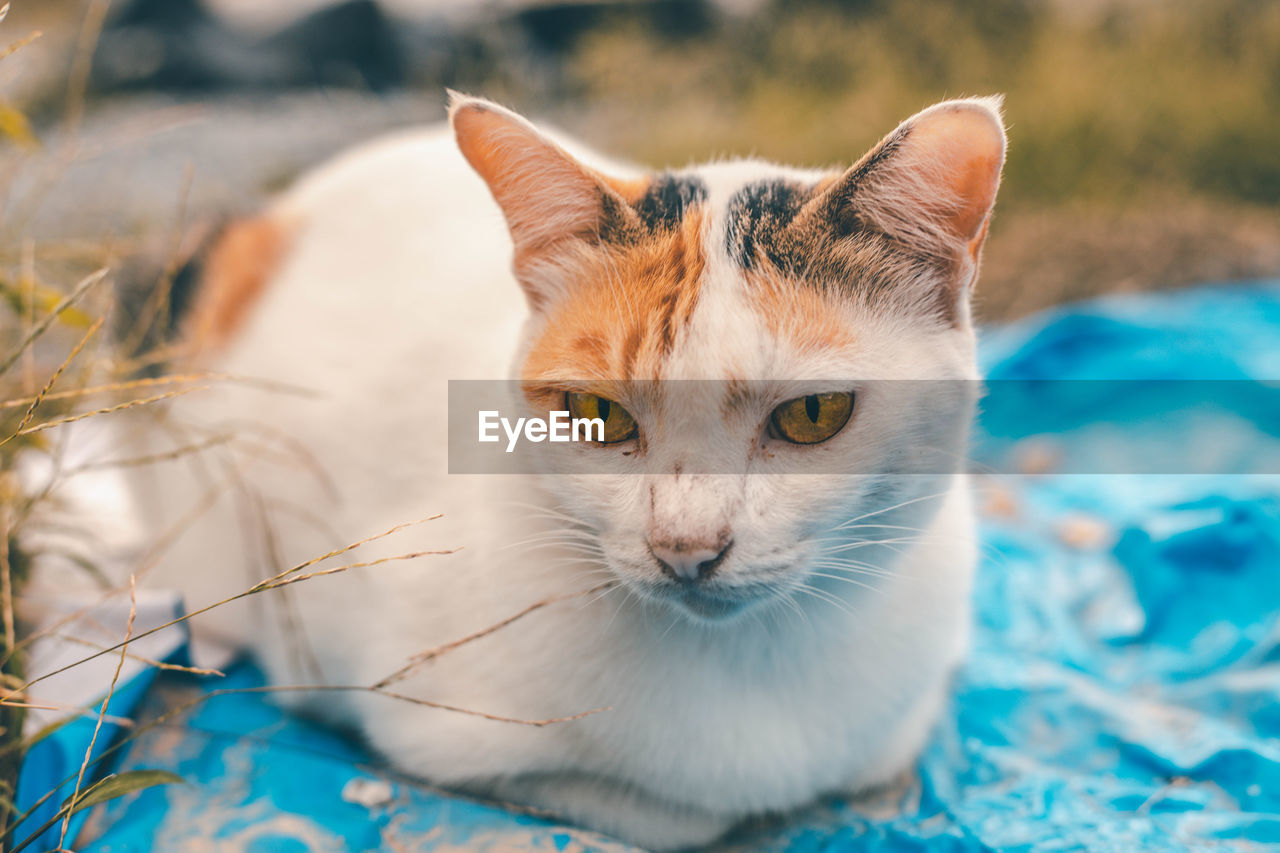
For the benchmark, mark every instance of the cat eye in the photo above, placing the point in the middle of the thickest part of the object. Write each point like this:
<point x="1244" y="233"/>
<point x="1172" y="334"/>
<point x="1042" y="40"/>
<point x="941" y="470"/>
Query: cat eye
<point x="618" y="423"/>
<point x="813" y="418"/>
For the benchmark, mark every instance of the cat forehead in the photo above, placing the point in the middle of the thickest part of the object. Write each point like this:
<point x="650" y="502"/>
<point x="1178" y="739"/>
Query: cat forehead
<point x="671" y="288"/>
<point x="735" y="197"/>
<point x="730" y="178"/>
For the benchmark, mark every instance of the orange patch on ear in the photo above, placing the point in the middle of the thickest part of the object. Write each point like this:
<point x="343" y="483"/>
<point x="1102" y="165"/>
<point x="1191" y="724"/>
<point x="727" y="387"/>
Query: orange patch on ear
<point x="975" y="245"/>
<point x="623" y="309"/>
<point x="545" y="194"/>
<point x="966" y="143"/>
<point x="236" y="272"/>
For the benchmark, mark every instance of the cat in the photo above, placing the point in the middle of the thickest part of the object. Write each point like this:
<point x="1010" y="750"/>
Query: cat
<point x="746" y="662"/>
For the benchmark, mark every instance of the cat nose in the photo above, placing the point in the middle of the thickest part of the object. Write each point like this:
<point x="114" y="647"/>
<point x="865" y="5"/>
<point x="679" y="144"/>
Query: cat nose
<point x="687" y="564"/>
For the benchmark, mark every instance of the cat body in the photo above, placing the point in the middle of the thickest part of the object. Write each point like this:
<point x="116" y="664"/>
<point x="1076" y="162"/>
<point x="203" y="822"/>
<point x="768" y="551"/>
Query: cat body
<point x="745" y="662"/>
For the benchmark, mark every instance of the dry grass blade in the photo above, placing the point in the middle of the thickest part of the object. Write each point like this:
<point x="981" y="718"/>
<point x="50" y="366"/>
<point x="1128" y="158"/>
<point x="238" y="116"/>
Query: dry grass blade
<point x="115" y="679"/>
<point x="20" y="43"/>
<point x="158" y="309"/>
<point x="339" y="552"/>
<point x="149" y="562"/>
<point x="254" y="590"/>
<point x="174" y="379"/>
<point x="431" y="654"/>
<point x="166" y="717"/>
<point x="412" y="700"/>
<point x="124" y="722"/>
<point x="28" y="303"/>
<point x="168" y="537"/>
<point x="85" y="285"/>
<point x="82" y="64"/>
<point x="155" y="664"/>
<point x="48" y="386"/>
<point x="6" y="583"/>
<point x="107" y="410"/>
<point x="413" y="555"/>
<point x="153" y="458"/>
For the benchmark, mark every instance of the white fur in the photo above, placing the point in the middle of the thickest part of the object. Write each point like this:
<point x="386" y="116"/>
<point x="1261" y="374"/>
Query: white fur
<point x="397" y="281"/>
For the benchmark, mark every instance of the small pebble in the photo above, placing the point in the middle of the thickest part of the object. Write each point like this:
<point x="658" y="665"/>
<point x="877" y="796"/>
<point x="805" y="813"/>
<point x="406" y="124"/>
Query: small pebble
<point x="1037" y="457"/>
<point x="999" y="501"/>
<point x="1084" y="532"/>
<point x="367" y="792"/>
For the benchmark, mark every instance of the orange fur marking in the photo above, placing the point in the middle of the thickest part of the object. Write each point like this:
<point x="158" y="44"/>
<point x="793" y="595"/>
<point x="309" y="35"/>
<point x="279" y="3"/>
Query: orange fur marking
<point x="972" y="149"/>
<point x="801" y="313"/>
<point x="239" y="265"/>
<point x="545" y="194"/>
<point x="630" y="190"/>
<point x="624" y="310"/>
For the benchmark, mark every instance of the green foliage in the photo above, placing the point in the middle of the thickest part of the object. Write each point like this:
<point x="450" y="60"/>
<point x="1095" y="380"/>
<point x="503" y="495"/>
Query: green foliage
<point x="1106" y="102"/>
<point x="117" y="785"/>
<point x="108" y="788"/>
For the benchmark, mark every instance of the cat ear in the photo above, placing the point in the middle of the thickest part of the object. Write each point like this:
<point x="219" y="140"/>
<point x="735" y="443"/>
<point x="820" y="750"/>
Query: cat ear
<point x="545" y="194"/>
<point x="930" y="184"/>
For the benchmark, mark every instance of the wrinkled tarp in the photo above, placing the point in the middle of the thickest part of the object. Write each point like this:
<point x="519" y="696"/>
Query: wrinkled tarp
<point x="1122" y="692"/>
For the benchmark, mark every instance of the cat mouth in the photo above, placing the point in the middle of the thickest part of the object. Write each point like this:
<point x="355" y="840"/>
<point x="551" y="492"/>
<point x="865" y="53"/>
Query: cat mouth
<point x="714" y="602"/>
<point x="709" y="606"/>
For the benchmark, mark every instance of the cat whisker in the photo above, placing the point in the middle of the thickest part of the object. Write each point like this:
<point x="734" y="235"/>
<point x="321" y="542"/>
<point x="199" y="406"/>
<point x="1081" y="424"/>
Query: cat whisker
<point x="858" y="568"/>
<point x="550" y="539"/>
<point x="568" y="543"/>
<point x="813" y="592"/>
<point x="868" y="543"/>
<point x="852" y="581"/>
<point x="565" y="548"/>
<point x="846" y="571"/>
<point x="548" y="534"/>
<point x="599" y="596"/>
<point x="575" y="561"/>
<point x="626" y="600"/>
<point x="897" y="506"/>
<point x="674" y="619"/>
<point x="548" y="512"/>
<point x="867" y="527"/>
<point x="794" y="610"/>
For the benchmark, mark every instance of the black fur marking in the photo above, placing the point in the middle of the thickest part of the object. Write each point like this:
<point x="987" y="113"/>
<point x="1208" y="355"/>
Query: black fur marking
<point x="617" y="220"/>
<point x="824" y="235"/>
<point x="138" y="294"/>
<point x="669" y="197"/>
<point x="662" y="208"/>
<point x="762" y="215"/>
<point x="842" y="212"/>
<point x="758" y="216"/>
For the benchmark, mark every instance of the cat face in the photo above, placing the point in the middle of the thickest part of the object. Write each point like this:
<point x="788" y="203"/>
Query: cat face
<point x="782" y="357"/>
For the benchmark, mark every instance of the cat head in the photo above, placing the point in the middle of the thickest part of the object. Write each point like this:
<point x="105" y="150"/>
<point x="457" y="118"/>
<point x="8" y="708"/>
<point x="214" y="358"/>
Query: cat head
<point x="753" y="337"/>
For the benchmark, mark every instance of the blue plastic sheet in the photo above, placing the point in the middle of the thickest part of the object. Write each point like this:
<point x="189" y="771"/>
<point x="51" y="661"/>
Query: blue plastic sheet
<point x="1123" y="691"/>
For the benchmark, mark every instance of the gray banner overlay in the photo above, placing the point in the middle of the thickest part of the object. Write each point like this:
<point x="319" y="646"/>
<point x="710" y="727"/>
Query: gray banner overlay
<point x="896" y="427"/>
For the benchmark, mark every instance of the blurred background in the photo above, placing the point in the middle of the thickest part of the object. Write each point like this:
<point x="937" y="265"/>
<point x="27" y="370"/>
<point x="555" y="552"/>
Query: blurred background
<point x="1145" y="153"/>
<point x="1145" y="135"/>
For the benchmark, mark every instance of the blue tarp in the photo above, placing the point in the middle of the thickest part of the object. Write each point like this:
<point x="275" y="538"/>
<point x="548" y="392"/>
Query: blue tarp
<point x="1123" y="691"/>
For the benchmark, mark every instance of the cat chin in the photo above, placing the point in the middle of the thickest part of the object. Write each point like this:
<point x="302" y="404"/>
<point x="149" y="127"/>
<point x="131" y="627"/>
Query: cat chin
<point x="711" y="606"/>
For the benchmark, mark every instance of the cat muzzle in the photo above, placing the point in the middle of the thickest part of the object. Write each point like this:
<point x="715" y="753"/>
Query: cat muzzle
<point x="688" y="565"/>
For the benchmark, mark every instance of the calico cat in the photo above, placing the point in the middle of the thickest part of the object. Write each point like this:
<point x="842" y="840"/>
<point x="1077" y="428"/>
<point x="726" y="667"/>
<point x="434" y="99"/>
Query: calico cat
<point x="758" y="637"/>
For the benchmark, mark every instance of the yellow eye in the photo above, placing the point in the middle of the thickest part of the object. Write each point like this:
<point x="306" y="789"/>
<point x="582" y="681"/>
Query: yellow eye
<point x="618" y="423"/>
<point x="813" y="418"/>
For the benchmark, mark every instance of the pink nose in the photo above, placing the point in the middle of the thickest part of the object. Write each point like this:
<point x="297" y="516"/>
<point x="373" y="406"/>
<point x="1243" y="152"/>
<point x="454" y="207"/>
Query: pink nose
<point x="688" y="564"/>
